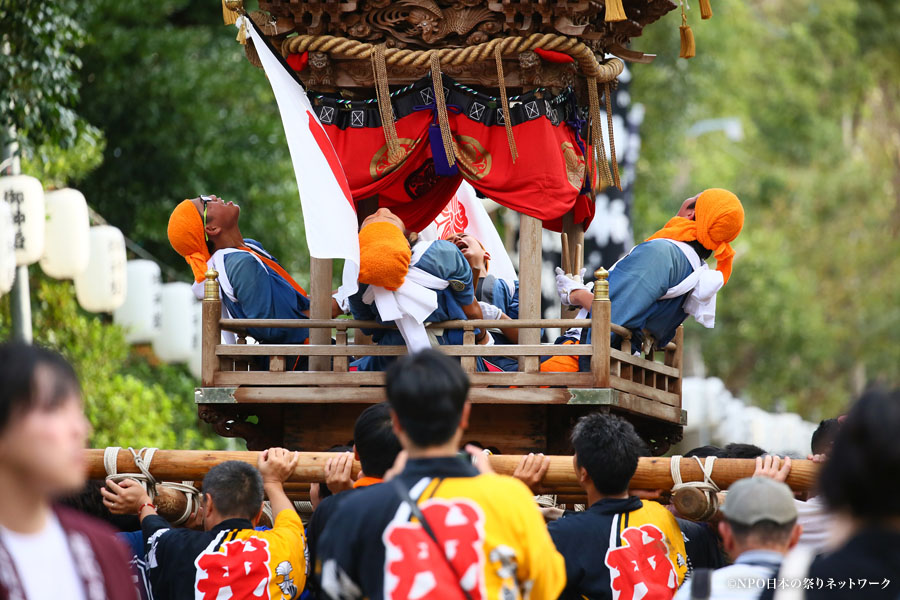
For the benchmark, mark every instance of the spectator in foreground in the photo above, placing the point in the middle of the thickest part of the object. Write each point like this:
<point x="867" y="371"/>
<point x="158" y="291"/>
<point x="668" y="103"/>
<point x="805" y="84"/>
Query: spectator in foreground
<point x="759" y="528"/>
<point x="621" y="544"/>
<point x="46" y="549"/>
<point x="860" y="483"/>
<point x="229" y="555"/>
<point x="438" y="529"/>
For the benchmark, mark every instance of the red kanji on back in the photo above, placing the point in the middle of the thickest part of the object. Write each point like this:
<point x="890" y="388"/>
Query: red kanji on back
<point x="241" y="567"/>
<point x="642" y="565"/>
<point x="417" y="568"/>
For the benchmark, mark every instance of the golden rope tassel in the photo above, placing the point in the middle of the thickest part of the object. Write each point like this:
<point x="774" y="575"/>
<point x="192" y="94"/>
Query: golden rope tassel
<point x="229" y="16"/>
<point x="607" y="91"/>
<point x="599" y="146"/>
<point x="705" y="9"/>
<point x="504" y="101"/>
<point x="441" y="103"/>
<point x="383" y="93"/>
<point x="614" y="11"/>
<point x="242" y="32"/>
<point x="688" y="49"/>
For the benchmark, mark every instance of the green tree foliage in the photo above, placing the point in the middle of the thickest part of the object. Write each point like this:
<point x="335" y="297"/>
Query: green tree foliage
<point x="811" y="311"/>
<point x="184" y="114"/>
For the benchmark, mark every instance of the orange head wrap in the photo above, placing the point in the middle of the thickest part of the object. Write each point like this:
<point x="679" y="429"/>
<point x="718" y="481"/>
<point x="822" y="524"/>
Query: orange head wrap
<point x="186" y="236"/>
<point x="718" y="219"/>
<point x="384" y="255"/>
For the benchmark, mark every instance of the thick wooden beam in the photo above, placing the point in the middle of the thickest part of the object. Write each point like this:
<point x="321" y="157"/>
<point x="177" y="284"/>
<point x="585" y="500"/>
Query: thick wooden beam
<point x="320" y="308"/>
<point x="529" y="285"/>
<point x="210" y="334"/>
<point x="652" y="473"/>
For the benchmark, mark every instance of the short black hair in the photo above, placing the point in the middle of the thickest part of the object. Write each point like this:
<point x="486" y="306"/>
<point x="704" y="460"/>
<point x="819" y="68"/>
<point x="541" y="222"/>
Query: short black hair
<point x="236" y="489"/>
<point x="704" y="451"/>
<point x="427" y="390"/>
<point x="823" y="437"/>
<point x="607" y="447"/>
<point x="19" y="372"/>
<point x="375" y="441"/>
<point x="859" y="476"/>
<point x="765" y="532"/>
<point x="742" y="451"/>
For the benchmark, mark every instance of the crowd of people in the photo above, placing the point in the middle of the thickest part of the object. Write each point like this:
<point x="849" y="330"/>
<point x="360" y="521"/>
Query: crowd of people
<point x="420" y="521"/>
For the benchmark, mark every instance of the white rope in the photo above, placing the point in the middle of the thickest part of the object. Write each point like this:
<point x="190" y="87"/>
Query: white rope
<point x="142" y="460"/>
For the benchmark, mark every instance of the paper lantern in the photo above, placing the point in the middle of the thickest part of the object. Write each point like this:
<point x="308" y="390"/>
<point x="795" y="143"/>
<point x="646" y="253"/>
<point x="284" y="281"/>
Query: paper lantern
<point x="141" y="313"/>
<point x="175" y="340"/>
<point x="196" y="360"/>
<point x="67" y="245"/>
<point x="101" y="286"/>
<point x="25" y="197"/>
<point x="7" y="250"/>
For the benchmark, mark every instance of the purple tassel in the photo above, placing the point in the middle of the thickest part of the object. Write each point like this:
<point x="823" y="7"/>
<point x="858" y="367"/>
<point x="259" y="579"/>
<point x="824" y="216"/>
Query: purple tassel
<point x="442" y="164"/>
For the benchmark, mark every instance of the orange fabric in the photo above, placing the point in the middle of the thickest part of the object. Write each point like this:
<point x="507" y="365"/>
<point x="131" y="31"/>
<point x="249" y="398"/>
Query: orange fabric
<point x="367" y="481"/>
<point x="718" y="219"/>
<point x="384" y="255"/>
<point x="277" y="268"/>
<point x="185" y="233"/>
<point x="561" y="364"/>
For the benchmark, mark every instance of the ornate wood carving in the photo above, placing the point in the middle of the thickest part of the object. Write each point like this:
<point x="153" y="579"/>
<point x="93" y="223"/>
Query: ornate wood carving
<point x="230" y="420"/>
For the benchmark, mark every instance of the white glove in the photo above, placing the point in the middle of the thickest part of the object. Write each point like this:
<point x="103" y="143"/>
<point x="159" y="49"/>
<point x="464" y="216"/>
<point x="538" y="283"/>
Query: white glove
<point x="490" y="312"/>
<point x="566" y="284"/>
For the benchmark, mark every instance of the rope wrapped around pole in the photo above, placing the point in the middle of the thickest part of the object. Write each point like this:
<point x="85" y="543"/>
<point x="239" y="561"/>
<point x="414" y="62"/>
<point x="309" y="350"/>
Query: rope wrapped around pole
<point x="340" y="47"/>
<point x="652" y="473"/>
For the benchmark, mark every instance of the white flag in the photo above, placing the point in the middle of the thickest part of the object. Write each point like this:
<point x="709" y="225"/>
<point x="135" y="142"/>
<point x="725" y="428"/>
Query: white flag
<point x="329" y="213"/>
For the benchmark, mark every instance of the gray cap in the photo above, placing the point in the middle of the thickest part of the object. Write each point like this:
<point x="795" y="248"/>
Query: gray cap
<point x="756" y="499"/>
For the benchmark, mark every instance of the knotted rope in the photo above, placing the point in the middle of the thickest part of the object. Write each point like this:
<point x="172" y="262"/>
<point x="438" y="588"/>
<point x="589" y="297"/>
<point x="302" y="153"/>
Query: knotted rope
<point x="707" y="486"/>
<point x="142" y="459"/>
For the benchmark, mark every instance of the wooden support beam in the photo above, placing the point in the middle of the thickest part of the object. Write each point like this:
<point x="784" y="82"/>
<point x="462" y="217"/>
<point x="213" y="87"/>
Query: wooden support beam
<point x="320" y="308"/>
<point x="529" y="285"/>
<point x="600" y="330"/>
<point x="210" y="333"/>
<point x="652" y="473"/>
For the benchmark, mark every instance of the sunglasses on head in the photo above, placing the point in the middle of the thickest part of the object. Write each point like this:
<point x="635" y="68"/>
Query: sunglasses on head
<point x="205" y="200"/>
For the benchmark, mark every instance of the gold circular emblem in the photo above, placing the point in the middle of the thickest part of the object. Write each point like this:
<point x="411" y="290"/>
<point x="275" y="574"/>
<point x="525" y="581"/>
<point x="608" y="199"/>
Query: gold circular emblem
<point x="381" y="163"/>
<point x="574" y="165"/>
<point x="472" y="158"/>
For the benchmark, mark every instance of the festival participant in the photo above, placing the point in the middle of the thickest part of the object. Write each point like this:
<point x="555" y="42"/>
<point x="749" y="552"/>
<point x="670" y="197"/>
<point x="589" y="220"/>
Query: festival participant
<point x="664" y="279"/>
<point x="47" y="550"/>
<point x="410" y="285"/>
<point x="759" y="528"/>
<point x="205" y="232"/>
<point x="229" y="555"/>
<point x="620" y="544"/>
<point x="438" y="529"/>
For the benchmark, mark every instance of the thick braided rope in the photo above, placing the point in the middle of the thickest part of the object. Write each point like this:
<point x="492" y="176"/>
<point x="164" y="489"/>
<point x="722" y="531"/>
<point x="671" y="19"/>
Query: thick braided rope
<point x="607" y="91"/>
<point x="708" y="486"/>
<point x="353" y="49"/>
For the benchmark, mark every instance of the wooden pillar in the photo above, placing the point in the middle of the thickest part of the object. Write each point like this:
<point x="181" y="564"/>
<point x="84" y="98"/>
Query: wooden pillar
<point x="575" y="236"/>
<point x="529" y="286"/>
<point x="211" y="334"/>
<point x="320" y="308"/>
<point x="600" y="330"/>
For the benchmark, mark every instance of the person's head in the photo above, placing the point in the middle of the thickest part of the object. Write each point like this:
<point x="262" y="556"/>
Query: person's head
<point x="427" y="395"/>
<point x="374" y="441"/>
<point x="760" y="514"/>
<point x="231" y="490"/>
<point x="719" y="218"/>
<point x="197" y="226"/>
<point x="472" y="249"/>
<point x="607" y="449"/>
<point x="704" y="451"/>
<point x="860" y="476"/>
<point x="384" y="250"/>
<point x="43" y="430"/>
<point x="688" y="208"/>
<point x="741" y="451"/>
<point x="823" y="437"/>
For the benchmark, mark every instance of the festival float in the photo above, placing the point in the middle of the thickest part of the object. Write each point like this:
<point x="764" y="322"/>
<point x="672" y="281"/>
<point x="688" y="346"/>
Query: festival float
<point x="416" y="97"/>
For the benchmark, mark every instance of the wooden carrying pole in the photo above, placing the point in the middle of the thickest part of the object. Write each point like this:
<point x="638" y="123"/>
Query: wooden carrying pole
<point x="652" y="473"/>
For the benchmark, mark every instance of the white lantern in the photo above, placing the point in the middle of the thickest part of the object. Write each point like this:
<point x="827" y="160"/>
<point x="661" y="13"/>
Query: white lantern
<point x="67" y="244"/>
<point x="174" y="342"/>
<point x="7" y="250"/>
<point x="101" y="287"/>
<point x="25" y="197"/>
<point x="140" y="315"/>
<point x="196" y="361"/>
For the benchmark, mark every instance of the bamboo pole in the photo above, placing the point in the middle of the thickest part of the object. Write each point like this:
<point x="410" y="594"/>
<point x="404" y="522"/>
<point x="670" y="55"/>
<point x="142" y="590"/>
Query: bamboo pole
<point x="652" y="473"/>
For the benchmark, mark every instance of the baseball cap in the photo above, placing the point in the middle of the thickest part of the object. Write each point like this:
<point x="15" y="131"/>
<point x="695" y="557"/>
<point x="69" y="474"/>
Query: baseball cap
<point x="756" y="499"/>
